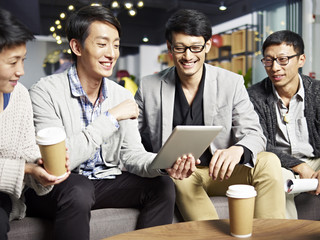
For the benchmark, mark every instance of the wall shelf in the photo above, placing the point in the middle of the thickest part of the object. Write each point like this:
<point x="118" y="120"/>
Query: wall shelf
<point x="235" y="54"/>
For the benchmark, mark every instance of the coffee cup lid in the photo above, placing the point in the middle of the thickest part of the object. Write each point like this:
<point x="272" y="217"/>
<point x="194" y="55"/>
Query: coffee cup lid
<point x="51" y="135"/>
<point x="241" y="191"/>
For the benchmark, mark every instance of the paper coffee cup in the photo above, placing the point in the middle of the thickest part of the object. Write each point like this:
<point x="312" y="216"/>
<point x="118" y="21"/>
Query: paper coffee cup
<point x="51" y="142"/>
<point x="241" y="199"/>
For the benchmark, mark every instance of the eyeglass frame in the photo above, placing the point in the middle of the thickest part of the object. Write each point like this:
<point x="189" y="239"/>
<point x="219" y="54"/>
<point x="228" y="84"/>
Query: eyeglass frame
<point x="276" y="59"/>
<point x="189" y="47"/>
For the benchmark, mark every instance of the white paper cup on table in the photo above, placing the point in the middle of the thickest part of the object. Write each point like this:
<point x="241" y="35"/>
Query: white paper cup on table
<point x="52" y="146"/>
<point x="241" y="199"/>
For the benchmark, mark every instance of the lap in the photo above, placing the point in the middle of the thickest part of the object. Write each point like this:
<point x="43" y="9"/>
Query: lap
<point x="128" y="190"/>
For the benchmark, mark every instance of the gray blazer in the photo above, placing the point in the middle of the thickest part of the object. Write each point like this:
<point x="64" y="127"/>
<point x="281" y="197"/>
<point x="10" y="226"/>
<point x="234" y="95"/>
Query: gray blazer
<point x="225" y="101"/>
<point x="53" y="105"/>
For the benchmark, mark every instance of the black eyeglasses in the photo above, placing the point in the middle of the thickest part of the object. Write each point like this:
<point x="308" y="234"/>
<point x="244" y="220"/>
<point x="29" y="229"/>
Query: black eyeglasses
<point x="282" y="61"/>
<point x="193" y="49"/>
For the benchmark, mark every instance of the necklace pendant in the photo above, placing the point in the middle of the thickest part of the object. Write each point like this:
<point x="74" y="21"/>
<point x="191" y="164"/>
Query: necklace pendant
<point x="286" y="118"/>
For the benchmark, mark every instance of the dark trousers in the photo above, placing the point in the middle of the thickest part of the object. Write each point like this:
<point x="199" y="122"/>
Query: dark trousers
<point x="5" y="209"/>
<point x="70" y="202"/>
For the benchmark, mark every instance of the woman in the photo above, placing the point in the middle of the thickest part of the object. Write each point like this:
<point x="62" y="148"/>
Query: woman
<point x="20" y="163"/>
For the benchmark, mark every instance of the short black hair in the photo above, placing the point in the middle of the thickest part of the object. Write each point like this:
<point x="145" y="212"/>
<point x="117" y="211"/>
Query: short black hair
<point x="190" y="22"/>
<point x="287" y="37"/>
<point x="79" y="22"/>
<point x="12" y="31"/>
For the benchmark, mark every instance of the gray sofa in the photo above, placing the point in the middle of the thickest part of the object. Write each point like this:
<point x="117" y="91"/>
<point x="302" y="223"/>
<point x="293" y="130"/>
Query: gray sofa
<point x="108" y="222"/>
<point x="104" y="223"/>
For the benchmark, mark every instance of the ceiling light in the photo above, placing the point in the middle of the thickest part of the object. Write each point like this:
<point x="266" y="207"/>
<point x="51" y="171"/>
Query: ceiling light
<point x="57" y="22"/>
<point x="132" y="12"/>
<point x="59" y="41"/>
<point x="59" y="26"/>
<point x="115" y="4"/>
<point x="140" y="4"/>
<point x="145" y="39"/>
<point x="70" y="7"/>
<point x="95" y="4"/>
<point x="52" y="29"/>
<point x="222" y="7"/>
<point x="128" y="5"/>
<point x="62" y="15"/>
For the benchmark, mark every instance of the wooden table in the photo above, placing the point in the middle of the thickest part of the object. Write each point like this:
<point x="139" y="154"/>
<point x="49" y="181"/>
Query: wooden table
<point x="266" y="229"/>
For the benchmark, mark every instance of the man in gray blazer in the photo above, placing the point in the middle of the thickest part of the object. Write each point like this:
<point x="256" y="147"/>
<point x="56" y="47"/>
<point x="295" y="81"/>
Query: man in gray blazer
<point x="195" y="93"/>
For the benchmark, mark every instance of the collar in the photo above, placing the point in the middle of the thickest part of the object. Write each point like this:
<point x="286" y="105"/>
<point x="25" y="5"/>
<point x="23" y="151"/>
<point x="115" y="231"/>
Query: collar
<point x="299" y="94"/>
<point x="76" y="88"/>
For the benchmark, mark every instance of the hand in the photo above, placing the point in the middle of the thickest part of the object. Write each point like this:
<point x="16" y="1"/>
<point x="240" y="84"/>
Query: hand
<point x="128" y="109"/>
<point x="317" y="175"/>
<point x="183" y="167"/>
<point x="42" y="176"/>
<point x="224" y="161"/>
<point x="304" y="170"/>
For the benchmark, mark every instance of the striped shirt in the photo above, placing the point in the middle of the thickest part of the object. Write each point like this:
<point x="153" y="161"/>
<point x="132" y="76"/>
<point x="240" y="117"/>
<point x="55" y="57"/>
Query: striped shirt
<point x="89" y="112"/>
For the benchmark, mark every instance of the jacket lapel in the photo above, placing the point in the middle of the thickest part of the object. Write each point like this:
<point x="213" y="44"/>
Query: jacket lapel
<point x="209" y="93"/>
<point x="167" y="94"/>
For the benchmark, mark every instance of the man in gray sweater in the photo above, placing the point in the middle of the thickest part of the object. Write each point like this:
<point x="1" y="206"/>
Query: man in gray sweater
<point x="110" y="167"/>
<point x="288" y="105"/>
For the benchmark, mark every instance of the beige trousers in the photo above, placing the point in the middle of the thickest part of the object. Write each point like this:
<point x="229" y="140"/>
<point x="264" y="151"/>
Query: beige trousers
<point x="193" y="193"/>
<point x="291" y="210"/>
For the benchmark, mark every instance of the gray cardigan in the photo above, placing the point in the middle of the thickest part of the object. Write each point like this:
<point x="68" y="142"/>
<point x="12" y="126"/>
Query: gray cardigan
<point x="53" y="105"/>
<point x="262" y="97"/>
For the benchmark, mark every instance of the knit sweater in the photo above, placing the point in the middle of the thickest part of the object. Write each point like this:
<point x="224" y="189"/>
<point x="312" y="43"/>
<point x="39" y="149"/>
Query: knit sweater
<point x="17" y="146"/>
<point x="262" y="97"/>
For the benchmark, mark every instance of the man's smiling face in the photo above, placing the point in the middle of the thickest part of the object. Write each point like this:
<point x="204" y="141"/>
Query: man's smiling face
<point x="188" y="64"/>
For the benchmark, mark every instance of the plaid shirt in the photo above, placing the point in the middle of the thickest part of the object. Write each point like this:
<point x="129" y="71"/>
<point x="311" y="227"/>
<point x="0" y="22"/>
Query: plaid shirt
<point x="89" y="112"/>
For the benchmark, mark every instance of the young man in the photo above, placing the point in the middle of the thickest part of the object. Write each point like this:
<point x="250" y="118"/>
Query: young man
<point x="20" y="165"/>
<point x="195" y="93"/>
<point x="99" y="117"/>
<point x="288" y="107"/>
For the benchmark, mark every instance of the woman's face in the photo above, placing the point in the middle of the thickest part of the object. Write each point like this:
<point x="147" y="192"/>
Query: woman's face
<point x="11" y="67"/>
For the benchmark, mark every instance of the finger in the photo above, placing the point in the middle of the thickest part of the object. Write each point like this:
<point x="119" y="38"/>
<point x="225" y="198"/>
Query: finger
<point x="217" y="165"/>
<point x="182" y="165"/>
<point x="213" y="163"/>
<point x="186" y="168"/>
<point x="230" y="170"/>
<point x="177" y="164"/>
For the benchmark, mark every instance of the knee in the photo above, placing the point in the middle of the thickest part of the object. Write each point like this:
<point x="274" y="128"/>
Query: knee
<point x="269" y="164"/>
<point x="164" y="188"/>
<point x="269" y="160"/>
<point x="79" y="195"/>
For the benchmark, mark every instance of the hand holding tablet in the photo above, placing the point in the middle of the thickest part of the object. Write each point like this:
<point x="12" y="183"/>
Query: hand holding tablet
<point x="182" y="141"/>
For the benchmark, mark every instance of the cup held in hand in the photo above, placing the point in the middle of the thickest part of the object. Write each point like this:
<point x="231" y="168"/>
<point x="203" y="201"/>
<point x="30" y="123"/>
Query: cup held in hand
<point x="241" y="199"/>
<point x="51" y="142"/>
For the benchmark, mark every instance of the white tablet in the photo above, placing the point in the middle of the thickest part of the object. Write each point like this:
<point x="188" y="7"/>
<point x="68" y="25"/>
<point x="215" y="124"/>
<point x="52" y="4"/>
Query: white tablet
<point x="185" y="140"/>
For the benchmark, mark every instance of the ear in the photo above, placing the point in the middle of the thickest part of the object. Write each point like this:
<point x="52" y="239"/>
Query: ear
<point x="208" y="45"/>
<point x="76" y="47"/>
<point x="301" y="60"/>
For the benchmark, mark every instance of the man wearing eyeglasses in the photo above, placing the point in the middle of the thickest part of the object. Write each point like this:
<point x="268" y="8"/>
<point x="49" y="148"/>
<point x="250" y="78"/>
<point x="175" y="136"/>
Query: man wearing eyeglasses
<point x="195" y="93"/>
<point x="288" y="105"/>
